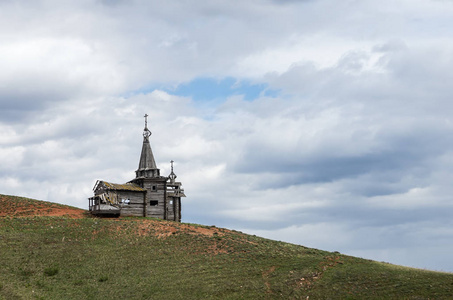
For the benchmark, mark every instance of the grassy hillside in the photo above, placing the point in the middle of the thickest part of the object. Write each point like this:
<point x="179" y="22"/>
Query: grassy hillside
<point x="20" y="207"/>
<point x="63" y="257"/>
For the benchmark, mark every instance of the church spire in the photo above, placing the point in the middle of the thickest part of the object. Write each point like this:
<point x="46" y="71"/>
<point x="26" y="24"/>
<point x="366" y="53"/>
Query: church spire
<point x="147" y="165"/>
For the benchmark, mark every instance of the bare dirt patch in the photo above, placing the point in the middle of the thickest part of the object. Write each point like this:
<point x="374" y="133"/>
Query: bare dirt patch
<point x="266" y="274"/>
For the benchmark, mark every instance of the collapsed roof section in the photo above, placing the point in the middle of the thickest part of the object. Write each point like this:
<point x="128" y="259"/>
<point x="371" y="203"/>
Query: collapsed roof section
<point x="118" y="187"/>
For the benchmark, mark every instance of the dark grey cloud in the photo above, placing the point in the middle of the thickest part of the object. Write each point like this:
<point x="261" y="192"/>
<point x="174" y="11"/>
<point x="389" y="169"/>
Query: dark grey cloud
<point x="396" y="152"/>
<point x="16" y="110"/>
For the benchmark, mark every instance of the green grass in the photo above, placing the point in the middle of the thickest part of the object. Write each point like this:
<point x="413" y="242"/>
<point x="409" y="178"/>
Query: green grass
<point x="63" y="258"/>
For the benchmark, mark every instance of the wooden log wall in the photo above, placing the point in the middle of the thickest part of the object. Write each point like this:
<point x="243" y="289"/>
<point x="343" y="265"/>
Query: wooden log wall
<point x="135" y="206"/>
<point x="156" y="192"/>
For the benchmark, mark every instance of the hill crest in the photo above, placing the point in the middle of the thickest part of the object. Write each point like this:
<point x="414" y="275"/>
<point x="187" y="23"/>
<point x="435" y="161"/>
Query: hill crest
<point x="15" y="206"/>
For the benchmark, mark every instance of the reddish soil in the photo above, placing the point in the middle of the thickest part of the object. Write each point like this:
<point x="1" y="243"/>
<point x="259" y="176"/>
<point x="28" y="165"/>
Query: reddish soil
<point x="21" y="207"/>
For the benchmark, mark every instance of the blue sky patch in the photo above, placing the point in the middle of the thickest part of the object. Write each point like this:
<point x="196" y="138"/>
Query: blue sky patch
<point x="209" y="89"/>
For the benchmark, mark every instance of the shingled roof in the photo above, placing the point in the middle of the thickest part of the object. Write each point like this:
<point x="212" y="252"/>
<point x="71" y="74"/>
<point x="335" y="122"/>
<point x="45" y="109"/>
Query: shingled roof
<point x="147" y="161"/>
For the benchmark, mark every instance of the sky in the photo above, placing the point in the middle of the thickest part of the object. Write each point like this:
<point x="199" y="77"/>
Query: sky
<point x="322" y="123"/>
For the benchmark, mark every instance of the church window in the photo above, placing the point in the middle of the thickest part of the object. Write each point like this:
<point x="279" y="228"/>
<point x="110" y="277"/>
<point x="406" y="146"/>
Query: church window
<point x="153" y="202"/>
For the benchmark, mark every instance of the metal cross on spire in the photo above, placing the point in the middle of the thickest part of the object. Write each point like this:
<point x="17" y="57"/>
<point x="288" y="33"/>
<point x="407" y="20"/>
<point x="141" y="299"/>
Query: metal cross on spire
<point x="146" y="120"/>
<point x="146" y="132"/>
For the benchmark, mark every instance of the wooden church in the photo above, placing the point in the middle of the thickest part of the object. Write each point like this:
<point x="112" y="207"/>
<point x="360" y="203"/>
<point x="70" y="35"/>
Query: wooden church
<point x="149" y="194"/>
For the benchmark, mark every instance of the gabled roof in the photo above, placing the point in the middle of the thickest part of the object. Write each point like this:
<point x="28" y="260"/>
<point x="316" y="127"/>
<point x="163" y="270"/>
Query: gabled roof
<point x="120" y="187"/>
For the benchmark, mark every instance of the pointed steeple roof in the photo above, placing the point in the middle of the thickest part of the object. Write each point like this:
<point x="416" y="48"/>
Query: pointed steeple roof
<point x="147" y="165"/>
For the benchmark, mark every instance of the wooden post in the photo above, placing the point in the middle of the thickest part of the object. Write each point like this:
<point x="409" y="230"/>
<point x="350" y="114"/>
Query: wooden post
<point x="174" y="209"/>
<point x="179" y="208"/>
<point x="165" y="200"/>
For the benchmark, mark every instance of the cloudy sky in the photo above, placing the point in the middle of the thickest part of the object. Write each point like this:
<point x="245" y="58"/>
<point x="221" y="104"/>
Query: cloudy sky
<point x="322" y="123"/>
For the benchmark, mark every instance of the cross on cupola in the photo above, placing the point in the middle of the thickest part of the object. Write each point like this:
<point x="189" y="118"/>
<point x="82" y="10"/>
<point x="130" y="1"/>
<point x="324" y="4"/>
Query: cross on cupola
<point x="172" y="175"/>
<point x="146" y="131"/>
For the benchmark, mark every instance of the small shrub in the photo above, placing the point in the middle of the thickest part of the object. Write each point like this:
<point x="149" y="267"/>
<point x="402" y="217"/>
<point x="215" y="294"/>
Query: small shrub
<point x="51" y="271"/>
<point x="103" y="278"/>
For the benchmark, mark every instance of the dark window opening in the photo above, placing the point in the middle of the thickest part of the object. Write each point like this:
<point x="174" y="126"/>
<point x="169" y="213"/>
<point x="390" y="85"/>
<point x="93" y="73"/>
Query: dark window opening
<point x="153" y="202"/>
<point x="154" y="188"/>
